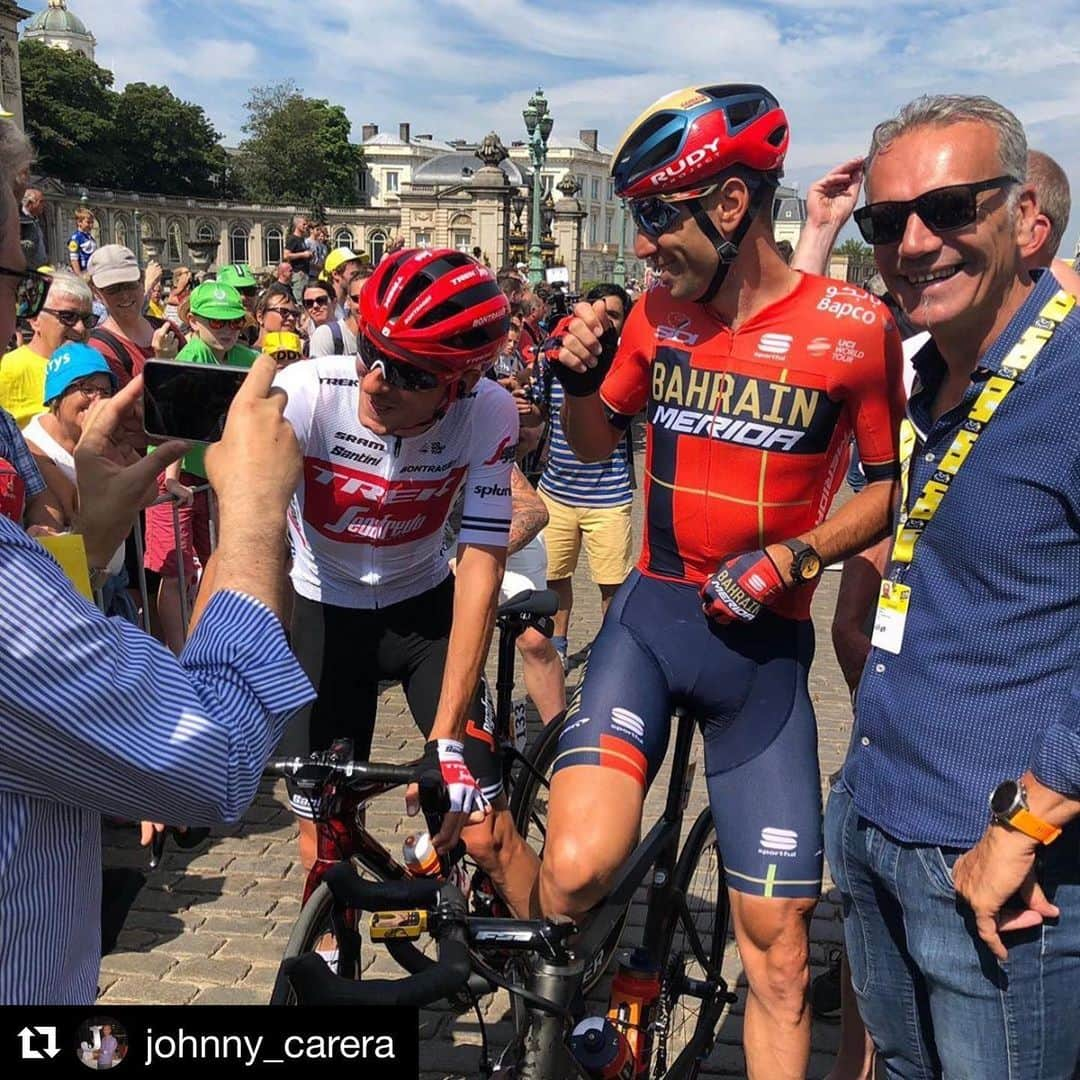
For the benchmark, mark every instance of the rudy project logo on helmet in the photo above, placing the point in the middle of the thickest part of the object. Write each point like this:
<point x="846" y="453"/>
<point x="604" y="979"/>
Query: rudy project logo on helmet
<point x="689" y="164"/>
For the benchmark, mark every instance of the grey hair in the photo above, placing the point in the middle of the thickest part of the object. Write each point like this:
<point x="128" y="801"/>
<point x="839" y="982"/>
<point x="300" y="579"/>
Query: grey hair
<point x="69" y="285"/>
<point x="1051" y="186"/>
<point x="16" y="156"/>
<point x="941" y="110"/>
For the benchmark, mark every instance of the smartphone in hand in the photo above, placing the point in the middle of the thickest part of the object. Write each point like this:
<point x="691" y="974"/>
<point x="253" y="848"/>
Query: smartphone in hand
<point x="188" y="401"/>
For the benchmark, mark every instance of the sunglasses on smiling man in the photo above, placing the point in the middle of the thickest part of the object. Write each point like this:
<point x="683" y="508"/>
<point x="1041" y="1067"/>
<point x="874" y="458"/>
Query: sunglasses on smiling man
<point x="397" y="373"/>
<point x="944" y="209"/>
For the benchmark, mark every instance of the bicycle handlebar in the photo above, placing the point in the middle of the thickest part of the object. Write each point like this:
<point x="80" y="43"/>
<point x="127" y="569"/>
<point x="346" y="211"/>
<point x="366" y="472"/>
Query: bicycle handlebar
<point x="350" y="770"/>
<point x="314" y="983"/>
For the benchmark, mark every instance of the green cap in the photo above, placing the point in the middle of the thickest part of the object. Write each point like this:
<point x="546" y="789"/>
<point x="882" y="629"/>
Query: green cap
<point x="213" y="300"/>
<point x="238" y="275"/>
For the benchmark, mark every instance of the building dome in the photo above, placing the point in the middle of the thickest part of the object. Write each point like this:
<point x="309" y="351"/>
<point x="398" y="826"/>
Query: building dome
<point x="458" y="168"/>
<point x="61" y="29"/>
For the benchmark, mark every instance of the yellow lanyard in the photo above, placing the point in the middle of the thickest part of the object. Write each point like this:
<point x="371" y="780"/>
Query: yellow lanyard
<point x="998" y="387"/>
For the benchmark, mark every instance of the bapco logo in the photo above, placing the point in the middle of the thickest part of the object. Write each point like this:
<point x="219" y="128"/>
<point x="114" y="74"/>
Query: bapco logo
<point x="31" y="1037"/>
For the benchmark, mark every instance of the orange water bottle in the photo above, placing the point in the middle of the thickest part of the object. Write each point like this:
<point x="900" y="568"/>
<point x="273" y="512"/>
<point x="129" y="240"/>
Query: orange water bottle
<point x="421" y="858"/>
<point x="635" y="991"/>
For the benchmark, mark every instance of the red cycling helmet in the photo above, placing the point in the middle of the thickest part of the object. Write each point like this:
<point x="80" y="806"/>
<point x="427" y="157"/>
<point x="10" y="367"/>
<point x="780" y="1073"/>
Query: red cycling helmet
<point x="685" y="140"/>
<point x="437" y="309"/>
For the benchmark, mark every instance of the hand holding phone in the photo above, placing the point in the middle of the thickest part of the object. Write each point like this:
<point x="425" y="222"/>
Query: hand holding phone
<point x="188" y="401"/>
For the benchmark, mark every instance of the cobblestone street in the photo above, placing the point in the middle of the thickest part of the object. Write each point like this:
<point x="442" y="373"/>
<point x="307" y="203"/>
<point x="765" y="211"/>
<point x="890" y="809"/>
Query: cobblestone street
<point x="209" y="927"/>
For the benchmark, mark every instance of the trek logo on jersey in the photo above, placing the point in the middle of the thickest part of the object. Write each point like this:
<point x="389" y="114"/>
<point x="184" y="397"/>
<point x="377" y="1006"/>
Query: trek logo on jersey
<point x="783" y="842"/>
<point x="626" y="723"/>
<point x="773" y="346"/>
<point x="740" y="409"/>
<point x="845" y="302"/>
<point x="353" y="506"/>
<point x="677" y="329"/>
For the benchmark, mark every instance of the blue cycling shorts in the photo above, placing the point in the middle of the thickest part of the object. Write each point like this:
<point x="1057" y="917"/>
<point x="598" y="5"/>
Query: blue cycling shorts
<point x="747" y="685"/>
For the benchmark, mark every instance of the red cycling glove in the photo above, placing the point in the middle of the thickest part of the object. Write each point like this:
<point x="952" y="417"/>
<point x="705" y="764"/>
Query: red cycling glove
<point x="742" y="586"/>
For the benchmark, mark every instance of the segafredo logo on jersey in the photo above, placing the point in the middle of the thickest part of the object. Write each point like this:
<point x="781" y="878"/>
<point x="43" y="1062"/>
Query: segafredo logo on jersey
<point x="845" y="302"/>
<point x="740" y="409"/>
<point x="353" y="506"/>
<point x="783" y="842"/>
<point x="688" y="164"/>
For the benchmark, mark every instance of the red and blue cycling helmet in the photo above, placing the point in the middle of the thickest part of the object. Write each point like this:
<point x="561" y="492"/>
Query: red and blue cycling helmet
<point x="682" y="146"/>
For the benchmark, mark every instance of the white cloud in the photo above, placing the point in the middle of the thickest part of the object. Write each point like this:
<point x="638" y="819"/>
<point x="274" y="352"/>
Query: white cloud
<point x="464" y="67"/>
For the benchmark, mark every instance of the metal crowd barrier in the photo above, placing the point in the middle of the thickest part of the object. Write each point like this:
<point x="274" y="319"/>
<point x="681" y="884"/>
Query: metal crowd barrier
<point x="140" y="554"/>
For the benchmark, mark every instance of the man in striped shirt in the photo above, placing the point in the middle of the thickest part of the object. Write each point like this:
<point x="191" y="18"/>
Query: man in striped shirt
<point x="97" y="717"/>
<point x="588" y="503"/>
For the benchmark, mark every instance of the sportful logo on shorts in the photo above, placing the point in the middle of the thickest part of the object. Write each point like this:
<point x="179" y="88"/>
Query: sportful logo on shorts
<point x="779" y="840"/>
<point x="622" y="720"/>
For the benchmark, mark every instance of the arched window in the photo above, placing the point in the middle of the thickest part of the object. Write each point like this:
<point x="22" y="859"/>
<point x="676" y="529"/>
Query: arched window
<point x="207" y="232"/>
<point x="120" y="231"/>
<point x="274" y="244"/>
<point x="149" y="225"/>
<point x="343" y="238"/>
<point x="238" y="244"/>
<point x="176" y="243"/>
<point x="461" y="233"/>
<point x="377" y="246"/>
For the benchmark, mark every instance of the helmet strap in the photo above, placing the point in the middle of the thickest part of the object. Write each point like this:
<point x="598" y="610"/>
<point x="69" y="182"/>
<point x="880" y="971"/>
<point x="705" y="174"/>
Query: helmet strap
<point x="727" y="251"/>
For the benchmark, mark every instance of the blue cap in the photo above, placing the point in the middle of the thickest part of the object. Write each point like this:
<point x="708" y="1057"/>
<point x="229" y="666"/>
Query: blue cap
<point x="70" y="363"/>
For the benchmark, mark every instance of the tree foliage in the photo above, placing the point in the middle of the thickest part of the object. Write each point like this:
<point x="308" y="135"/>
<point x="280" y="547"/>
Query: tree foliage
<point x="69" y="106"/>
<point x="165" y="145"/>
<point x="297" y="150"/>
<point x="855" y="249"/>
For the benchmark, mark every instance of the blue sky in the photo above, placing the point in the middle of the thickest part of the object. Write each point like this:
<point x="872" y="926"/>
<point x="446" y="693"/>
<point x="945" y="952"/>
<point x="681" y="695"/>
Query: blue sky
<point x="459" y="68"/>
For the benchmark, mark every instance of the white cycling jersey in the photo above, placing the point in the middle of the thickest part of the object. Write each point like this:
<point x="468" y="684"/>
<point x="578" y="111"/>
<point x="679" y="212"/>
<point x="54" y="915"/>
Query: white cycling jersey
<point x="366" y="523"/>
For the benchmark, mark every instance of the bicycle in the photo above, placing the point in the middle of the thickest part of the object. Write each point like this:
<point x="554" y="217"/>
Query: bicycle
<point x="685" y="933"/>
<point x="339" y="789"/>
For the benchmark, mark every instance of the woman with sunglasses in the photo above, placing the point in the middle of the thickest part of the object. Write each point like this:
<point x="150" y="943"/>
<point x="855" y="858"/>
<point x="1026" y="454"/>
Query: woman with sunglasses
<point x="217" y="318"/>
<point x="389" y="438"/>
<point x="77" y="377"/>
<point x="66" y="315"/>
<point x="318" y="305"/>
<point x="276" y="310"/>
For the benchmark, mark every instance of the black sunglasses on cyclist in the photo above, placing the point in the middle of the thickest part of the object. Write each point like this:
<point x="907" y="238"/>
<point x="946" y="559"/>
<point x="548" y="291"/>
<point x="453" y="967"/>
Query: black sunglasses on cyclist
<point x="655" y="216"/>
<point x="941" y="210"/>
<point x="89" y="319"/>
<point x="31" y="291"/>
<point x="398" y="374"/>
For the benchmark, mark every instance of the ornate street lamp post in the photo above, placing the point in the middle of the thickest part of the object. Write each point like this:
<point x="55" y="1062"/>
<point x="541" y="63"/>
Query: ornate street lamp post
<point x="619" y="274"/>
<point x="538" y="123"/>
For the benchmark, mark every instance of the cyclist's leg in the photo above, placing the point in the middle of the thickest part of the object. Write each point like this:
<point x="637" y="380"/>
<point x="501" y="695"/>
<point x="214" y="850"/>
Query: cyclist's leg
<point x="614" y="740"/>
<point x="767" y="812"/>
<point x="419" y="638"/>
<point x="327" y="642"/>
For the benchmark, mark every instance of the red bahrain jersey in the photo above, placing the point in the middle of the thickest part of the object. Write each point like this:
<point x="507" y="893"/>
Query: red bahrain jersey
<point x="749" y="429"/>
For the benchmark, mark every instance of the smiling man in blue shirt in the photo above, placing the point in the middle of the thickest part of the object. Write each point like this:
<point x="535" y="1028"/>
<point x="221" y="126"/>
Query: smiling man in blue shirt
<point x="97" y="717"/>
<point x="970" y="688"/>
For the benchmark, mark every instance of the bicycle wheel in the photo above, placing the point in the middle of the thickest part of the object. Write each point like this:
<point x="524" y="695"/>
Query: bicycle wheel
<point x="313" y="929"/>
<point x="693" y="993"/>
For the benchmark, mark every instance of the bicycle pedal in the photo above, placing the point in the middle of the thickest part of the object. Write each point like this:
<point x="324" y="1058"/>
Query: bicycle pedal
<point x="398" y="925"/>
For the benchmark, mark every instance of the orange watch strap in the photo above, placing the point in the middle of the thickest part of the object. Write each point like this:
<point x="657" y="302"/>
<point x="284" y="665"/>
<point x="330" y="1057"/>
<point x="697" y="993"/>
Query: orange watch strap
<point x="1027" y="823"/>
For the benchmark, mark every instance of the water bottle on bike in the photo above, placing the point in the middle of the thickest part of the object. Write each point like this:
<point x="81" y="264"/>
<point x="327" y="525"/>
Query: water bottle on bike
<point x="635" y="992"/>
<point x="422" y="860"/>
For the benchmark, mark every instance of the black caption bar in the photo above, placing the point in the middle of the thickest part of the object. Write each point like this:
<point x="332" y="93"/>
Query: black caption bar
<point x="176" y="1040"/>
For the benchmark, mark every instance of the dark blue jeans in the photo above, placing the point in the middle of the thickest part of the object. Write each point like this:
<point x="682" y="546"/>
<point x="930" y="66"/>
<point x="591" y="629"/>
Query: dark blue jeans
<point x="935" y="1000"/>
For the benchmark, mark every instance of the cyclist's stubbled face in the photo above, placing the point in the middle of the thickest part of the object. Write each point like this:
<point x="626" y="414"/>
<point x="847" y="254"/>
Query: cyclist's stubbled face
<point x="388" y="410"/>
<point x="684" y="256"/>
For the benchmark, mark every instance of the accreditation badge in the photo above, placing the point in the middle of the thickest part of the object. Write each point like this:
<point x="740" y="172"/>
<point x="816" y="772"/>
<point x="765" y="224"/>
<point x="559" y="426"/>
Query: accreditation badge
<point x="892" y="610"/>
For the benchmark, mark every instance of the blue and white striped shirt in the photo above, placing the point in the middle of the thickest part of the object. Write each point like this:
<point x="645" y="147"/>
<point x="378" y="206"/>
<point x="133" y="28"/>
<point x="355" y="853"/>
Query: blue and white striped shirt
<point x="13" y="449"/>
<point x="577" y="483"/>
<point x="98" y="718"/>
